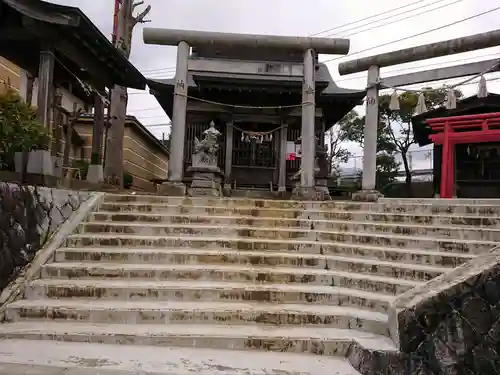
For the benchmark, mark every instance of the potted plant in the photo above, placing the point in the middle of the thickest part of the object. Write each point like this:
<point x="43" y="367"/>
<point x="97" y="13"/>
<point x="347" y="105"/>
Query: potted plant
<point x="21" y="132"/>
<point x="127" y="180"/>
<point x="40" y="160"/>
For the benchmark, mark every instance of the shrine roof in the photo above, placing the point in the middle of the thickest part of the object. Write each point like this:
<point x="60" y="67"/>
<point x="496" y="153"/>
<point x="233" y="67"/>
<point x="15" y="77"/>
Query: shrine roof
<point x="467" y="106"/>
<point x="26" y="24"/>
<point x="328" y="92"/>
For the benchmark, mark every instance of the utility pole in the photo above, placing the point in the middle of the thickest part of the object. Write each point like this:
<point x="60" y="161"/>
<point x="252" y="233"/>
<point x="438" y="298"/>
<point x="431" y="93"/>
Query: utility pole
<point x="125" y="22"/>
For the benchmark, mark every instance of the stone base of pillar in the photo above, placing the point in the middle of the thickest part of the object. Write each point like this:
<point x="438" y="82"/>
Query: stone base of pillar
<point x="95" y="174"/>
<point x="308" y="194"/>
<point x="322" y="187"/>
<point x="206" y="182"/>
<point x="367" y="196"/>
<point x="172" y="188"/>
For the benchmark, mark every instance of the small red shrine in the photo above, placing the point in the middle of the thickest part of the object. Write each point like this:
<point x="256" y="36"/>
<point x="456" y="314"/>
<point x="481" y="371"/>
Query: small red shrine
<point x="466" y="143"/>
<point x="467" y="129"/>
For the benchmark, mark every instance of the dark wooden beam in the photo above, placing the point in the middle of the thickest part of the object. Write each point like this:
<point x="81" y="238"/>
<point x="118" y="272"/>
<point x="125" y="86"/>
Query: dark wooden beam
<point x="94" y="75"/>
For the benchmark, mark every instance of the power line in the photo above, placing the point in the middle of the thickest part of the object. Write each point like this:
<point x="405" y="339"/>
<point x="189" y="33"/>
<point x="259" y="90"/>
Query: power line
<point x="416" y="35"/>
<point x="399" y="40"/>
<point x="369" y="17"/>
<point x="172" y="69"/>
<point x="404" y="18"/>
<point x="394" y="15"/>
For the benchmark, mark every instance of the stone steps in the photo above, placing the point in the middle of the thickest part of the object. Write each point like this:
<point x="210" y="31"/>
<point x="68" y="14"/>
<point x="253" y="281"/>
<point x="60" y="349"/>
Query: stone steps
<point x="152" y="202"/>
<point x="334" y="217"/>
<point x="363" y="254"/>
<point x="314" y="340"/>
<point x="67" y="358"/>
<point x="169" y="274"/>
<point x="439" y="201"/>
<point x="144" y="290"/>
<point x="322" y="230"/>
<point x="293" y="212"/>
<point x="231" y="273"/>
<point x="198" y="312"/>
<point x="262" y="239"/>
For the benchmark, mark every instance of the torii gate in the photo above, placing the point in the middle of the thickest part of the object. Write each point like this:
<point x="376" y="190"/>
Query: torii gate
<point x="184" y="39"/>
<point x="373" y="64"/>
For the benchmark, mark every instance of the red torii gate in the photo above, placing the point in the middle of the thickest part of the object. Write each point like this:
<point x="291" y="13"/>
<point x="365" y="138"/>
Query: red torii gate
<point x="449" y="131"/>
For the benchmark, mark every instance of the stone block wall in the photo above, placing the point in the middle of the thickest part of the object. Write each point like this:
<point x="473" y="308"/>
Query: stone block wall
<point x="448" y="326"/>
<point x="28" y="217"/>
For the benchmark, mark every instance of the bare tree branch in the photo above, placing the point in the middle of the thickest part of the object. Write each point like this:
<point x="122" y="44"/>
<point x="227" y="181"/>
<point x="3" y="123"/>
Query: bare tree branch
<point x="140" y="17"/>
<point x="135" y="5"/>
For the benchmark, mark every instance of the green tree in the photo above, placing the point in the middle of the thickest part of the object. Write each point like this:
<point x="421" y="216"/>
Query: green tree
<point x="19" y="129"/>
<point x="387" y="167"/>
<point x="336" y="137"/>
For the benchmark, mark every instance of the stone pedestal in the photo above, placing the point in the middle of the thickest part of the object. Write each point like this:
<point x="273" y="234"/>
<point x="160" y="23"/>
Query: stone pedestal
<point x="322" y="188"/>
<point x="172" y="188"/>
<point x="300" y="193"/>
<point x="321" y="173"/>
<point x="367" y="196"/>
<point x="207" y="176"/>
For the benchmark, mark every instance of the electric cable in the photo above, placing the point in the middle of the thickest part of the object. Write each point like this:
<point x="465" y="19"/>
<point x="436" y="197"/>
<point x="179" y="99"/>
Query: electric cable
<point x="416" y="35"/>
<point x="172" y="69"/>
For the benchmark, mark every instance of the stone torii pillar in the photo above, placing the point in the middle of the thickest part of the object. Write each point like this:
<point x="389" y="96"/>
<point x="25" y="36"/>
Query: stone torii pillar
<point x="306" y="46"/>
<point x="175" y="186"/>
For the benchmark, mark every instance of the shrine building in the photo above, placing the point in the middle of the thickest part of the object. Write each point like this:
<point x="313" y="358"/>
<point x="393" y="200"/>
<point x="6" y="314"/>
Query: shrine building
<point x="254" y="96"/>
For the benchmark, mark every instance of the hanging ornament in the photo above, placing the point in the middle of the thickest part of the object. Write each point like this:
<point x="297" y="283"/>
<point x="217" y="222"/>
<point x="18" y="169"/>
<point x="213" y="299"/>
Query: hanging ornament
<point x="242" y="137"/>
<point x="421" y="108"/>
<point x="451" y="99"/>
<point x="394" y="104"/>
<point x="270" y="137"/>
<point x="261" y="138"/>
<point x="482" y="90"/>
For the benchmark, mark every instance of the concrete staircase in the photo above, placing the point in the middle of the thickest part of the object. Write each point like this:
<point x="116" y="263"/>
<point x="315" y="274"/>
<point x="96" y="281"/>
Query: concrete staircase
<point x="234" y="286"/>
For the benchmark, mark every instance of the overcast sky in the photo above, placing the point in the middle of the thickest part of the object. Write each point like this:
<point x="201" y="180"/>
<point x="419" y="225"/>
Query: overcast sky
<point x="302" y="18"/>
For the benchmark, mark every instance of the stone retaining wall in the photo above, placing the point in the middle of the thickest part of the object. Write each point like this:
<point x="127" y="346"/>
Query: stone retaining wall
<point x="28" y="217"/>
<point x="448" y="326"/>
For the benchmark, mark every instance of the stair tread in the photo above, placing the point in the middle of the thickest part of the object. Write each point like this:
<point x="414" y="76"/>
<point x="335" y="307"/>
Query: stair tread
<point x="221" y="285"/>
<point x="259" y="307"/>
<point x="436" y="201"/>
<point x="52" y="357"/>
<point x="195" y="267"/>
<point x="360" y="259"/>
<point x="285" y="228"/>
<point x="112" y="249"/>
<point x="241" y="217"/>
<point x="368" y="340"/>
<point x="294" y="241"/>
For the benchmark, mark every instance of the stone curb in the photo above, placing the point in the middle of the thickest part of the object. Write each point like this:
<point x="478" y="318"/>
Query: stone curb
<point x="15" y="289"/>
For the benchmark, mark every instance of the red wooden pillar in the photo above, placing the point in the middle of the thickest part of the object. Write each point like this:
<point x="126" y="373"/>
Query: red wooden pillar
<point x="445" y="159"/>
<point x="450" y="183"/>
